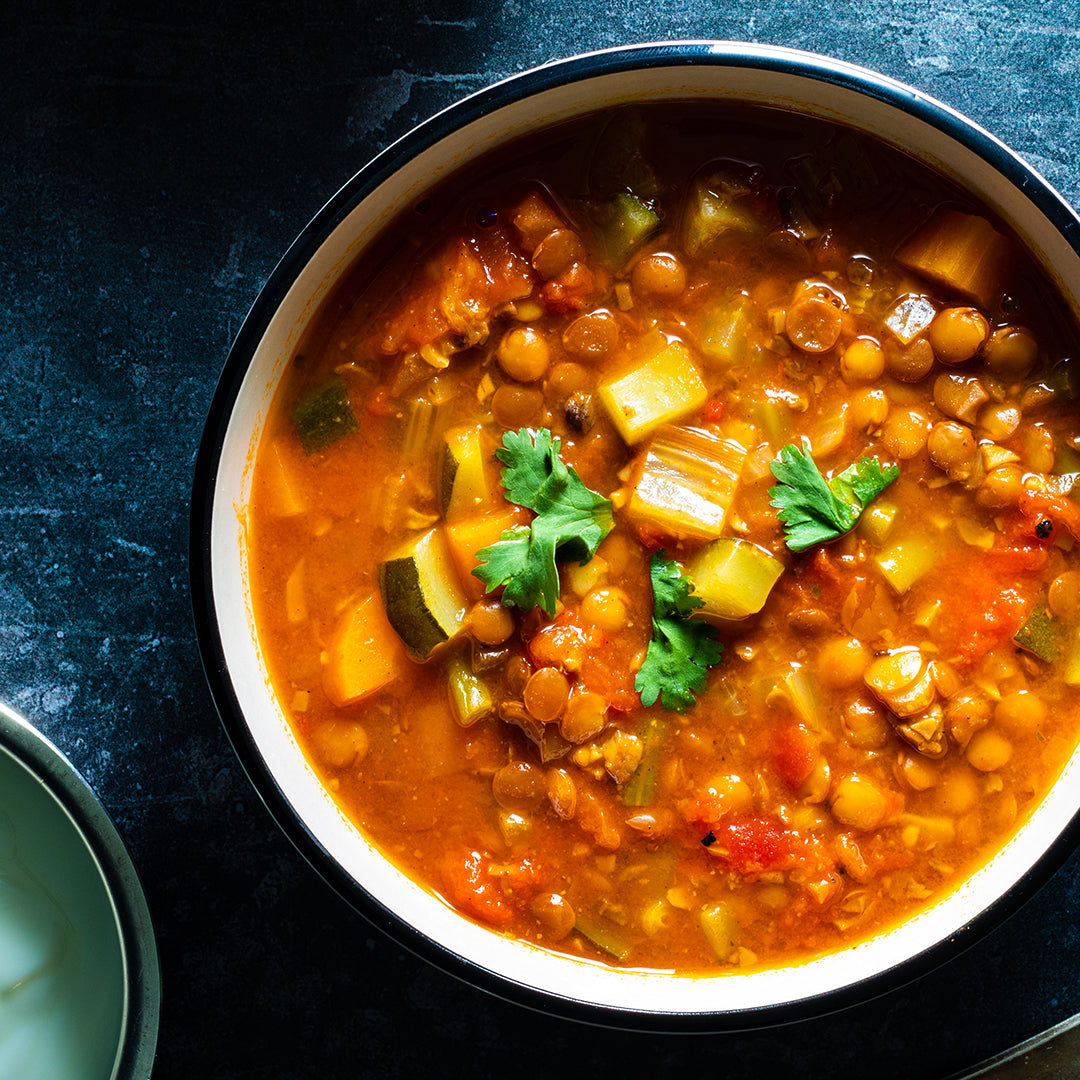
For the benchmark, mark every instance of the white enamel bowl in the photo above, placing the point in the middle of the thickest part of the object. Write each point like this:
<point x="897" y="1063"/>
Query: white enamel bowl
<point x="79" y="977"/>
<point x="795" y="81"/>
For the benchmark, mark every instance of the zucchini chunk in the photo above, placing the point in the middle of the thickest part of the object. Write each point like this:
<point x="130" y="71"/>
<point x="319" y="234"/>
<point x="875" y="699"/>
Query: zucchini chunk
<point x="733" y="577"/>
<point x="324" y="415"/>
<point x="463" y="482"/>
<point x="623" y="225"/>
<point x="718" y="205"/>
<point x="422" y="596"/>
<point x="660" y="388"/>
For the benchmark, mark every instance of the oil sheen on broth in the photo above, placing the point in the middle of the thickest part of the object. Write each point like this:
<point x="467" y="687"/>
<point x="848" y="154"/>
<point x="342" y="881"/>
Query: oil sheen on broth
<point x="766" y="439"/>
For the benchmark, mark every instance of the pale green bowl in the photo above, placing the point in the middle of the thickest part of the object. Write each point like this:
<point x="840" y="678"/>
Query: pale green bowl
<point x="79" y="975"/>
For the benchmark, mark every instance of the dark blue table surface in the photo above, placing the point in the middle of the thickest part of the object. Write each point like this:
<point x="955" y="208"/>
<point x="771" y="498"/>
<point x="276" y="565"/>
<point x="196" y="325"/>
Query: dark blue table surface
<point x="153" y="169"/>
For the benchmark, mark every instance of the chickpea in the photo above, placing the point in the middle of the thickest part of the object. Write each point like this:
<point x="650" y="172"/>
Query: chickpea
<point x="863" y="361"/>
<point x="998" y="421"/>
<point x="734" y="792"/>
<point x="815" y="788"/>
<point x="1063" y="595"/>
<point x="606" y="609"/>
<point x="988" y="750"/>
<point x="965" y="714"/>
<point x="909" y="363"/>
<point x="660" y="275"/>
<point x="858" y="803"/>
<point x="1011" y="352"/>
<point x="1001" y="487"/>
<point x="554" y="913"/>
<point x="566" y="379"/>
<point x="584" y="717"/>
<point x="524" y="354"/>
<point x="519" y="786"/>
<point x="516" y="406"/>
<point x="1020" y="712"/>
<point x="952" y="448"/>
<point x="339" y="744"/>
<point x="546" y="693"/>
<point x="957" y="334"/>
<point x="957" y="793"/>
<point x="490" y="622"/>
<point x="562" y="793"/>
<point x="813" y="324"/>
<point x="864" y="724"/>
<point x="905" y="431"/>
<point x="592" y="336"/>
<point x="557" y="252"/>
<point x="518" y="672"/>
<point x="915" y="771"/>
<point x="841" y="660"/>
<point x="903" y="681"/>
<point x="867" y="409"/>
<point x="1037" y="449"/>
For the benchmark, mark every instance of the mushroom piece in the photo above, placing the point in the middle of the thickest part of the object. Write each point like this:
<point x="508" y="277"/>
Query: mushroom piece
<point x="903" y="681"/>
<point x="925" y="733"/>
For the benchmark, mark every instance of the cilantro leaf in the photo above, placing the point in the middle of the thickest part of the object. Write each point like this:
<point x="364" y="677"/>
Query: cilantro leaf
<point x="814" y="510"/>
<point x="681" y="650"/>
<point x="571" y="520"/>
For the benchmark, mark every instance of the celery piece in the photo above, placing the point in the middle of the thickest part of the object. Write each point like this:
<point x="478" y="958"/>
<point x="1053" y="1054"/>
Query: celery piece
<point x="721" y="929"/>
<point x="906" y="560"/>
<point x="1042" y="634"/>
<point x="639" y="789"/>
<point x="795" y="687"/>
<point x="665" y="386"/>
<point x="877" y="521"/>
<point x="685" y="483"/>
<point x="717" y="206"/>
<point x="733" y="577"/>
<point x="775" y="416"/>
<point x="613" y="939"/>
<point x="725" y="329"/>
<point x="623" y="224"/>
<point x="324" y="415"/>
<point x="470" y="697"/>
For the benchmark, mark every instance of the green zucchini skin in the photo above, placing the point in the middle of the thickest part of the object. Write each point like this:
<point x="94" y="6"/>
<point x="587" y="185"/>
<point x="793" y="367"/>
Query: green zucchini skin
<point x="422" y="596"/>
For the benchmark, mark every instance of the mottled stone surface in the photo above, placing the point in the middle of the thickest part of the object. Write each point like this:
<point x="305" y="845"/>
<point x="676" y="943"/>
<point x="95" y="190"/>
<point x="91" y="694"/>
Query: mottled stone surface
<point x="156" y="162"/>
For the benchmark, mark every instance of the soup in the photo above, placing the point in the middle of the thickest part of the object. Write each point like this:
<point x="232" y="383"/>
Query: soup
<point x="662" y="543"/>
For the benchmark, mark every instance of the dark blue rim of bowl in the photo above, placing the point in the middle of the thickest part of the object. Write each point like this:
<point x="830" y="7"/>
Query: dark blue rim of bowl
<point x="575" y="69"/>
<point x="142" y="969"/>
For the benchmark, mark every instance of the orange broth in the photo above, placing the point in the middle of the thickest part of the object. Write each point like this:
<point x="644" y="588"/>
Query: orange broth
<point x="890" y="704"/>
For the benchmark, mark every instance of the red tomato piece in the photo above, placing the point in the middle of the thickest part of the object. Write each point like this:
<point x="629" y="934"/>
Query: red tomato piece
<point x="795" y="752"/>
<point x="754" y="845"/>
<point x="472" y="888"/>
<point x="564" y="643"/>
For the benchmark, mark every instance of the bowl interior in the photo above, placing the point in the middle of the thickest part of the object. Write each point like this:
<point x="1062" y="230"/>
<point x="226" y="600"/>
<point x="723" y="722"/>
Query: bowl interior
<point x="78" y="994"/>
<point x="773" y="77"/>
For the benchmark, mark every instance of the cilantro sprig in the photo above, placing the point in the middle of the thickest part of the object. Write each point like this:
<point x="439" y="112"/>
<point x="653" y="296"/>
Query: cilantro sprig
<point x="681" y="649"/>
<point x="571" y="521"/>
<point x="814" y="510"/>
